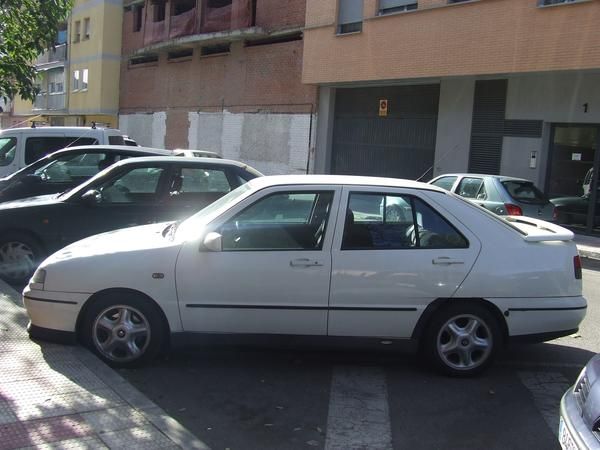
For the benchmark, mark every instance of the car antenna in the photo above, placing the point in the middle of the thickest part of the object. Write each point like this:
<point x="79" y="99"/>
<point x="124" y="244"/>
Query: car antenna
<point x="441" y="158"/>
<point x="93" y="125"/>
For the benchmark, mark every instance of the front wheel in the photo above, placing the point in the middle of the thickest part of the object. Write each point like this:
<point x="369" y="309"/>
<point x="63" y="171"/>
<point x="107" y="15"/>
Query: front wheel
<point x="19" y="257"/>
<point x="125" y="330"/>
<point x="462" y="339"/>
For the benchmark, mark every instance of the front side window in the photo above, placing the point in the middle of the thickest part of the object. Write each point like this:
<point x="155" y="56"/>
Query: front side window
<point x="138" y="185"/>
<point x="472" y="188"/>
<point x="445" y="182"/>
<point x="392" y="222"/>
<point x="281" y="221"/>
<point x="8" y="147"/>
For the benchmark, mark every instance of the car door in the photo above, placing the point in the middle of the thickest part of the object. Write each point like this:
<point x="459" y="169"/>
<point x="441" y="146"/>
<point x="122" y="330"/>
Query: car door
<point x="272" y="275"/>
<point x="384" y="273"/>
<point x="129" y="197"/>
<point x="194" y="186"/>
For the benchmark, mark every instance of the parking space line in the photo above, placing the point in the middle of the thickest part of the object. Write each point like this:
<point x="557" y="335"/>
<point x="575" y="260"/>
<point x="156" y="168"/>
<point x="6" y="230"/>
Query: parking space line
<point x="359" y="416"/>
<point x="547" y="389"/>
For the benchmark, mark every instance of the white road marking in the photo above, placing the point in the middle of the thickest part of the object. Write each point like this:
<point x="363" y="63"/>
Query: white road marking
<point x="547" y="389"/>
<point x="359" y="416"/>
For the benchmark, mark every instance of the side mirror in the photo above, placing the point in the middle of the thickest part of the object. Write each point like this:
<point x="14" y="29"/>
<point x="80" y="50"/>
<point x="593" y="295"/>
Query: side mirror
<point x="92" y="197"/>
<point x="212" y="242"/>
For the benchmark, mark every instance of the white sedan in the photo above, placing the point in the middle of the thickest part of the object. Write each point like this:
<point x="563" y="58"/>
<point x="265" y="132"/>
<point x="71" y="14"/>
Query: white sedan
<point x="317" y="256"/>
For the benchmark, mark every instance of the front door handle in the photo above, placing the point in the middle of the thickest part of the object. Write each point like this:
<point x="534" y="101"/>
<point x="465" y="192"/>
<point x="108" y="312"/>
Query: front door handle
<point x="446" y="261"/>
<point x="305" y="262"/>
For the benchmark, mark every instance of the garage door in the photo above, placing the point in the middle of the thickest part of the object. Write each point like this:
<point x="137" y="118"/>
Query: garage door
<point x="401" y="144"/>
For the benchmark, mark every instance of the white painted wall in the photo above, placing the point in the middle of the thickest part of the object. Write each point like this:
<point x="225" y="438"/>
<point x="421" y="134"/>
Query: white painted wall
<point x="148" y="130"/>
<point x="454" y="125"/>
<point x="272" y="143"/>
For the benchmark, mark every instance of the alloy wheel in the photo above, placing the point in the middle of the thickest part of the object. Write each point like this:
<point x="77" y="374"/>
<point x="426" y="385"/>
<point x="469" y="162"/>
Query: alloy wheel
<point x="121" y="333"/>
<point x="464" y="342"/>
<point x="17" y="260"/>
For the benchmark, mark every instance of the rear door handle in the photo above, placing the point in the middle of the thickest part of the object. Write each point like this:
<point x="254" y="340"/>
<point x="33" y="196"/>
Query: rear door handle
<point x="446" y="261"/>
<point x="305" y="262"/>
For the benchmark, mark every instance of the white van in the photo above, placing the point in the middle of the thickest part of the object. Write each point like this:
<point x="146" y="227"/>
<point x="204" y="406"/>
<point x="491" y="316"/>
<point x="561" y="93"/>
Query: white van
<point x="20" y="147"/>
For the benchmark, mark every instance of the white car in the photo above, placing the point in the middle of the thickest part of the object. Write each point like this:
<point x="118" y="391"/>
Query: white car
<point x="314" y="256"/>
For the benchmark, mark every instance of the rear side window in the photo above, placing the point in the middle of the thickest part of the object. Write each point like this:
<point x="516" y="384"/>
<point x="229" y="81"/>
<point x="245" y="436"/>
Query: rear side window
<point x="116" y="140"/>
<point x="38" y="147"/>
<point x="393" y="222"/>
<point x="445" y="182"/>
<point x="8" y="146"/>
<point x="524" y="191"/>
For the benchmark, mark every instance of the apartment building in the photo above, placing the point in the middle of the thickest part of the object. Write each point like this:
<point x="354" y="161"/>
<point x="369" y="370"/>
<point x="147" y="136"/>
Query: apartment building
<point x="412" y="88"/>
<point x="79" y="77"/>
<point x="219" y="75"/>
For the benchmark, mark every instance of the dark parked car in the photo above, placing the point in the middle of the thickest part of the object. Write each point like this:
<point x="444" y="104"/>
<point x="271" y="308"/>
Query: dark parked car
<point x="574" y="210"/>
<point x="500" y="194"/>
<point x="67" y="168"/>
<point x="132" y="192"/>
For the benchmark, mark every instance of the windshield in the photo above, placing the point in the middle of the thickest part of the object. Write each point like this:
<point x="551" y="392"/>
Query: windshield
<point x="192" y="225"/>
<point x="524" y="191"/>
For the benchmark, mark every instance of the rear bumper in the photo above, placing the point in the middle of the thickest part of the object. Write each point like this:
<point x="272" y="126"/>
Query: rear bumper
<point x="577" y="429"/>
<point x="540" y="319"/>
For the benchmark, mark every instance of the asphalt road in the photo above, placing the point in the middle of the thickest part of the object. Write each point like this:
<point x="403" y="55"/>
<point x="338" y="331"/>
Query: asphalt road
<point x="257" y="398"/>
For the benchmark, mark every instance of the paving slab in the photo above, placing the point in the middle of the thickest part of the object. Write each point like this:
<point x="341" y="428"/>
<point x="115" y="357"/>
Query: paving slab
<point x="63" y="397"/>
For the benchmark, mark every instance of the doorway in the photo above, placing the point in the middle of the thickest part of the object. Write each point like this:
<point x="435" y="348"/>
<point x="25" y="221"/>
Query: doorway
<point x="572" y="182"/>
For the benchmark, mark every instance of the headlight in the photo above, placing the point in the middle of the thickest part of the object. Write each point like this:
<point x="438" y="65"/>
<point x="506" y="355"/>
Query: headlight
<point x="38" y="279"/>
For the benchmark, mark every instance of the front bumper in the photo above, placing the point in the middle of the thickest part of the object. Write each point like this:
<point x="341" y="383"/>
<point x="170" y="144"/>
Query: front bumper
<point x="577" y="429"/>
<point x="52" y="311"/>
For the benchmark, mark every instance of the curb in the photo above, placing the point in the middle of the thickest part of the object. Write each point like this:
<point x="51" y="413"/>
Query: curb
<point x="586" y="253"/>
<point x="155" y="415"/>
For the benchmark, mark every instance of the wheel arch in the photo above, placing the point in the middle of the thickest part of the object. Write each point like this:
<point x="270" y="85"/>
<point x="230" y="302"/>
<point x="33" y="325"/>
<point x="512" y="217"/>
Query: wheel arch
<point x="441" y="303"/>
<point x="120" y="291"/>
<point x="24" y="232"/>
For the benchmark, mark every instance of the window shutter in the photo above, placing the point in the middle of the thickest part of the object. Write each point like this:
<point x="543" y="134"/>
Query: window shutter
<point x="351" y="11"/>
<point x="387" y="4"/>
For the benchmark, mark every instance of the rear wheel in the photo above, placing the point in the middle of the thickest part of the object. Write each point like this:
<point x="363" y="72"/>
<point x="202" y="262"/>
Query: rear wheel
<point x="462" y="339"/>
<point x="19" y="256"/>
<point x="125" y="330"/>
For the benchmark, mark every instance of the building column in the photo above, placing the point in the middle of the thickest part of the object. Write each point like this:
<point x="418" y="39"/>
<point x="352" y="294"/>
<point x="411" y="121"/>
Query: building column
<point x="324" y="138"/>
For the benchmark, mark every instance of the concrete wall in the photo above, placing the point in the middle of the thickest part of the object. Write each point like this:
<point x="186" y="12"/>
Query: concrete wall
<point x="272" y="143"/>
<point x="454" y="125"/>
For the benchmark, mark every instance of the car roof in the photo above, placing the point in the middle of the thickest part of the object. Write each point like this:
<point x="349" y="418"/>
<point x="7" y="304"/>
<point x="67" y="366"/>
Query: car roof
<point x="180" y="159"/>
<point x="115" y="149"/>
<point x="351" y="180"/>
<point x="482" y="175"/>
<point x="59" y="129"/>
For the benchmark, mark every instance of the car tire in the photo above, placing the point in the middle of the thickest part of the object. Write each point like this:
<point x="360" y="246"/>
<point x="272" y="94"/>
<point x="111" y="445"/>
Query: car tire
<point x="124" y="329"/>
<point x="20" y="255"/>
<point x="462" y="339"/>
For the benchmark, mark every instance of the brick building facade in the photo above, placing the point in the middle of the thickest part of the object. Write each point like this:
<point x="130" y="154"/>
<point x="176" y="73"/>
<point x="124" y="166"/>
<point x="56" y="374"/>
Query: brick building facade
<point x="219" y="75"/>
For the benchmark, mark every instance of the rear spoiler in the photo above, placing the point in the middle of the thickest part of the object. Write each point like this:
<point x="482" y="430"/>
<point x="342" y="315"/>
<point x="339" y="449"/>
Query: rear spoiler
<point x="536" y="230"/>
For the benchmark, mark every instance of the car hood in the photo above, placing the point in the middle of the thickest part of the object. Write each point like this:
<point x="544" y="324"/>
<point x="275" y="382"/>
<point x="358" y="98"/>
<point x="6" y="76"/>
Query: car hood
<point x="40" y="200"/>
<point x="125" y="257"/>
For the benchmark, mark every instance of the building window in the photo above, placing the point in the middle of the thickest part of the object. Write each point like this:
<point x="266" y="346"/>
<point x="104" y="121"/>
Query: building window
<point x="86" y="28"/>
<point x="457" y="1"/>
<point x="183" y="6"/>
<point x="350" y="16"/>
<point x="180" y="54"/>
<point x="77" y="33"/>
<point x="159" y="11"/>
<point x="555" y="2"/>
<point x="76" y="80"/>
<point x="138" y="14"/>
<point x="392" y="6"/>
<point x="84" y="79"/>
<point x="218" y="3"/>
<point x="147" y="59"/>
<point x="215" y="50"/>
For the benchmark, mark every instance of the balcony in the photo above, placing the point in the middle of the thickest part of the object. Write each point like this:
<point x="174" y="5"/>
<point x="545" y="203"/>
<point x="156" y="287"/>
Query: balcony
<point x="49" y="102"/>
<point x="57" y="54"/>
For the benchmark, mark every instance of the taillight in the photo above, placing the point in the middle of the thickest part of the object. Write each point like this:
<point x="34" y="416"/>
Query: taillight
<point x="577" y="267"/>
<point x="513" y="210"/>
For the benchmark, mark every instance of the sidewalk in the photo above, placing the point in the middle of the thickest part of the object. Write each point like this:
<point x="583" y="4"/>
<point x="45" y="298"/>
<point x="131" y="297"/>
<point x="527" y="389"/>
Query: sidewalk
<point x="63" y="397"/>
<point x="588" y="246"/>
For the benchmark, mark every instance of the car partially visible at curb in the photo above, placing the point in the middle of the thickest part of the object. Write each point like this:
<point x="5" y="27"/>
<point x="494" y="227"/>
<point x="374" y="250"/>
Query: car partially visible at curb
<point x="579" y="426"/>
<point x="317" y="257"/>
